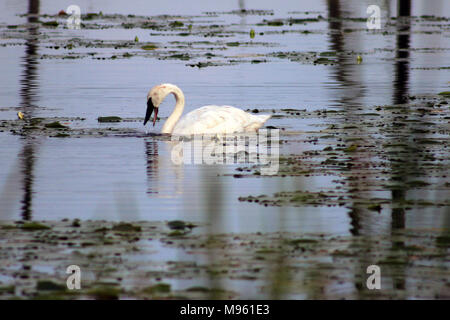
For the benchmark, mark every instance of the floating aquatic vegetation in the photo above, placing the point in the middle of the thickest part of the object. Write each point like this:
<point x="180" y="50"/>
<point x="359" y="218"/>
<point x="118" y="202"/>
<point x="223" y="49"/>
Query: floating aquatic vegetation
<point x="109" y="119"/>
<point x="55" y="125"/>
<point x="275" y="23"/>
<point x="34" y="226"/>
<point x="420" y="250"/>
<point x="126" y="227"/>
<point x="149" y="47"/>
<point x="50" y="24"/>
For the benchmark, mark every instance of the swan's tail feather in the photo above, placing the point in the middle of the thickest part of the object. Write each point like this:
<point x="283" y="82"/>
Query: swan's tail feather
<point x="258" y="123"/>
<point x="263" y="117"/>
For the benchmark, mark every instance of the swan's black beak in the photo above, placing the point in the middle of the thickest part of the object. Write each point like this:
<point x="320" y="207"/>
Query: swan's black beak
<point x="150" y="108"/>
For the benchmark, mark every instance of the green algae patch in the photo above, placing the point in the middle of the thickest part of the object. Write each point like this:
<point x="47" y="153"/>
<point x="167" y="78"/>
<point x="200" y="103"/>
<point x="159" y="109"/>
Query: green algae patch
<point x="126" y="227"/>
<point x="179" y="225"/>
<point x="76" y="223"/>
<point x="61" y="135"/>
<point x="50" y="23"/>
<point x="417" y="184"/>
<point x="8" y="227"/>
<point x="443" y="241"/>
<point x="198" y="289"/>
<point x="7" y="289"/>
<point x="109" y="119"/>
<point x="55" y="125"/>
<point x="176" y="24"/>
<point x="302" y="198"/>
<point x="149" y="47"/>
<point x="275" y="23"/>
<point x="249" y="251"/>
<point x="295" y="198"/>
<point x="296" y="242"/>
<point x="323" y="60"/>
<point x="46" y="285"/>
<point x="265" y="251"/>
<point x="158" y="288"/>
<point x="412" y="248"/>
<point x="351" y="148"/>
<point x="176" y="225"/>
<point x="34" y="226"/>
<point x="87" y="244"/>
<point x="393" y="261"/>
<point x="374" y="207"/>
<point x="177" y="233"/>
<point x="30" y="127"/>
<point x="342" y="253"/>
<point x="91" y="15"/>
<point x="328" y="54"/>
<point x="444" y="93"/>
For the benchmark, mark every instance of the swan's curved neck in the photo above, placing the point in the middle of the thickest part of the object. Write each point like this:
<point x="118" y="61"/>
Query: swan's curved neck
<point x="176" y="114"/>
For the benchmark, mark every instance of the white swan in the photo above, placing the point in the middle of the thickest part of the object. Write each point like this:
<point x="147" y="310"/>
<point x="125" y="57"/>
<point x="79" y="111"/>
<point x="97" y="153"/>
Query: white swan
<point x="204" y="120"/>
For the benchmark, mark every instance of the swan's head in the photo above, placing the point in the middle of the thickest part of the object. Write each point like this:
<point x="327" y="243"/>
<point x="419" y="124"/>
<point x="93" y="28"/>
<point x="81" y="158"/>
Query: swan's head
<point x="154" y="98"/>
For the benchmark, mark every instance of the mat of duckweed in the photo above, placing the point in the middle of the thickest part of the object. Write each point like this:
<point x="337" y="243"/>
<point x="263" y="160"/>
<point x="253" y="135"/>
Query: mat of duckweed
<point x="205" y="40"/>
<point x="123" y="260"/>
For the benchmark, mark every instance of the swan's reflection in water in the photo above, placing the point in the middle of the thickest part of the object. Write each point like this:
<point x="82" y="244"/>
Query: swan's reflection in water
<point x="208" y="150"/>
<point x="151" y="151"/>
<point x="178" y="169"/>
<point x="207" y="190"/>
<point x="213" y="151"/>
<point x="260" y="149"/>
<point x="164" y="178"/>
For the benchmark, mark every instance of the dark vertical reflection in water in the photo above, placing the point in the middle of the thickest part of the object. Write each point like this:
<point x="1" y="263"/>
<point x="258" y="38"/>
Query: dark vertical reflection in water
<point x="405" y="163"/>
<point x="317" y="278"/>
<point x="343" y="73"/>
<point x="151" y="151"/>
<point x="279" y="268"/>
<point x="213" y="196"/>
<point x="336" y="37"/>
<point x="401" y="80"/>
<point x="242" y="13"/>
<point x="353" y="90"/>
<point x="318" y="283"/>
<point x="241" y="4"/>
<point x="29" y="87"/>
<point x="337" y="44"/>
<point x="347" y="75"/>
<point x="401" y="83"/>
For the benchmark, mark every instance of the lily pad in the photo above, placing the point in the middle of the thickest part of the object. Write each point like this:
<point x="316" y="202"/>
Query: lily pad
<point x="55" y="125"/>
<point x="126" y="227"/>
<point x="149" y="47"/>
<point x="32" y="226"/>
<point x="109" y="119"/>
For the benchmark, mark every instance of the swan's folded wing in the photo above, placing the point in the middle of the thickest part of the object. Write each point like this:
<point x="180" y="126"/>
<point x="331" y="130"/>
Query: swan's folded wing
<point x="217" y="119"/>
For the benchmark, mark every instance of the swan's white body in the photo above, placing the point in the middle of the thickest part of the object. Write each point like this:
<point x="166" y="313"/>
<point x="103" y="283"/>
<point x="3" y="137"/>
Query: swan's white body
<point x="218" y="119"/>
<point x="205" y="120"/>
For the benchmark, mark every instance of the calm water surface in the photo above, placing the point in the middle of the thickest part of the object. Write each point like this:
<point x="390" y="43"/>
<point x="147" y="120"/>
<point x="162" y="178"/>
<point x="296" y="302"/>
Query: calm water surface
<point x="132" y="178"/>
